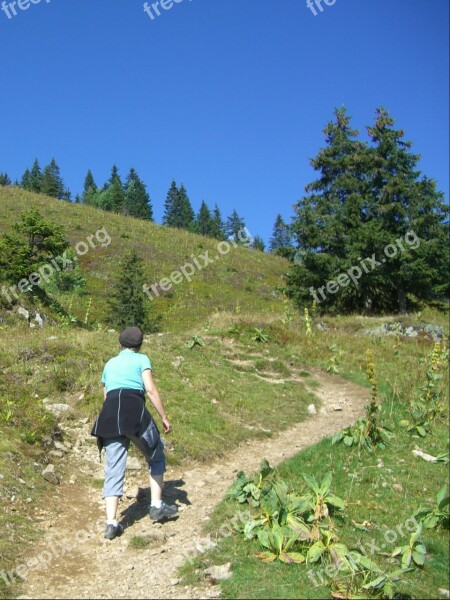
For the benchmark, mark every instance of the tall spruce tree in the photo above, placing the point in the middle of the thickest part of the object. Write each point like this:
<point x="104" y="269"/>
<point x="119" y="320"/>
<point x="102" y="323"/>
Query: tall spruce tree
<point x="218" y="226"/>
<point x="137" y="200"/>
<point x="234" y="226"/>
<point x="89" y="188"/>
<point x="171" y="200"/>
<point x="128" y="306"/>
<point x="35" y="177"/>
<point x="204" y="224"/>
<point x="281" y="237"/>
<point x="327" y="218"/>
<point x="183" y="210"/>
<point x="114" y="198"/>
<point x="25" y="182"/>
<point x="403" y="201"/>
<point x="51" y="181"/>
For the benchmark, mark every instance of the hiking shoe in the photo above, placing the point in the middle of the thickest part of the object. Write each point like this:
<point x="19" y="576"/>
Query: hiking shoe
<point x="163" y="512"/>
<point x="112" y="531"/>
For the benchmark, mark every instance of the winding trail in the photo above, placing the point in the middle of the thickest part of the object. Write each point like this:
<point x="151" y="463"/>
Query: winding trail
<point x="81" y="564"/>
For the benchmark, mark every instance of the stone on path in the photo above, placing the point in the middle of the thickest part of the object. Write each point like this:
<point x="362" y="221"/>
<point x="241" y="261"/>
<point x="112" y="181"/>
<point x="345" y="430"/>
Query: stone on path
<point x="312" y="410"/>
<point x="49" y="474"/>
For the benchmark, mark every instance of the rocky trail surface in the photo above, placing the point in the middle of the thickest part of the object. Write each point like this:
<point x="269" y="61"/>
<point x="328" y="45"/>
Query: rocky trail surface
<point x="76" y="562"/>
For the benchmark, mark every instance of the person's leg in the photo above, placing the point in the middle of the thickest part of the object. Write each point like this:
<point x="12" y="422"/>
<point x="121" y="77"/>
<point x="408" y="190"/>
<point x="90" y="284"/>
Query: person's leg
<point x="116" y="451"/>
<point x="152" y="447"/>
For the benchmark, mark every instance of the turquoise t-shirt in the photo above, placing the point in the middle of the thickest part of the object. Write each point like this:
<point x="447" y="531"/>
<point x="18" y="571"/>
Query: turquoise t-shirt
<point x="125" y="371"/>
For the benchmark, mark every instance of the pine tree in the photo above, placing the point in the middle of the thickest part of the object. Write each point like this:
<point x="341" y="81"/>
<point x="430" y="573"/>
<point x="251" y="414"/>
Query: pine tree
<point x="328" y="218"/>
<point x="281" y="237"/>
<point x="366" y="200"/>
<point x="128" y="306"/>
<point x="114" y="175"/>
<point x="89" y="188"/>
<point x="178" y="210"/>
<point x="218" y="226"/>
<point x="234" y="226"/>
<point x="35" y="177"/>
<point x="184" y="213"/>
<point x="4" y="179"/>
<point x="204" y="223"/>
<point x="137" y="200"/>
<point x="171" y="200"/>
<point x="258" y="244"/>
<point x="400" y="201"/>
<point x="26" y="180"/>
<point x="114" y="197"/>
<point x="51" y="181"/>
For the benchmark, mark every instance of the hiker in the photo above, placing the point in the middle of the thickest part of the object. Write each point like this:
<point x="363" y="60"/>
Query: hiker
<point x="124" y="418"/>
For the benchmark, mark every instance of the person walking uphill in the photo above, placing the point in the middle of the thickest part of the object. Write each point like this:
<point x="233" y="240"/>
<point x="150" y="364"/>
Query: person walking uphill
<point x="124" y="418"/>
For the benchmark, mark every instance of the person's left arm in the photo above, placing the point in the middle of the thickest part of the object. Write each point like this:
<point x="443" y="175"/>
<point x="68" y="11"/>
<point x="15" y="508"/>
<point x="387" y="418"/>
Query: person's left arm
<point x="154" y="397"/>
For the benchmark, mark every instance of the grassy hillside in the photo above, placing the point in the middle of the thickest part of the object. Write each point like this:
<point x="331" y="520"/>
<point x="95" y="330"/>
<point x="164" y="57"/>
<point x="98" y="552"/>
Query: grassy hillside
<point x="217" y="395"/>
<point x="239" y="278"/>
<point x="382" y="488"/>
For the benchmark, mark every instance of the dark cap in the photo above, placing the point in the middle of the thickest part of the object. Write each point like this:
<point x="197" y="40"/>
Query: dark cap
<point x="131" y="337"/>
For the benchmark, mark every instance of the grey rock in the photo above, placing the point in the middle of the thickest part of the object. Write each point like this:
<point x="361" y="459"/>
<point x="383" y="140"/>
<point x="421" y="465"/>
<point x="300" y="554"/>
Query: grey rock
<point x="312" y="410"/>
<point x="39" y="320"/>
<point x="23" y="313"/>
<point x="56" y="453"/>
<point x="60" y="446"/>
<point x="49" y="474"/>
<point x="219" y="573"/>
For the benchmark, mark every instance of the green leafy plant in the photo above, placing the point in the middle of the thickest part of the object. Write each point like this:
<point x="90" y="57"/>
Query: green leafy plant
<point x="249" y="490"/>
<point x="320" y="497"/>
<point x="260" y="336"/>
<point x="7" y="413"/>
<point x="334" y="361"/>
<point x="361" y="584"/>
<point x="367" y="433"/>
<point x="438" y="515"/>
<point x="413" y="553"/>
<point x="279" y="542"/>
<point x="426" y="408"/>
<point x="194" y="341"/>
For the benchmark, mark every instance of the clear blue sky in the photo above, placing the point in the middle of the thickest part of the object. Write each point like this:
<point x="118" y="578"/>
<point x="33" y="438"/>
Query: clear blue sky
<point x="229" y="97"/>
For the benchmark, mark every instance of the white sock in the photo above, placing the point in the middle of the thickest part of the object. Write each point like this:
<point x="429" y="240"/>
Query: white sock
<point x="114" y="522"/>
<point x="157" y="503"/>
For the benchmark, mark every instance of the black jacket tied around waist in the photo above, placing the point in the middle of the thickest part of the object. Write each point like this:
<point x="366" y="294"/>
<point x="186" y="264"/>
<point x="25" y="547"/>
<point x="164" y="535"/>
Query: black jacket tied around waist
<point x="123" y="414"/>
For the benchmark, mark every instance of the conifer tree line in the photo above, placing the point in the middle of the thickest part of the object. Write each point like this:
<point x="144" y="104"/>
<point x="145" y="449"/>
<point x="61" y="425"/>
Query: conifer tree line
<point x="131" y="198"/>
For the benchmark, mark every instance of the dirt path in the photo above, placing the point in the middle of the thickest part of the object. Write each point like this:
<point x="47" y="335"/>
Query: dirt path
<point x="79" y="563"/>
